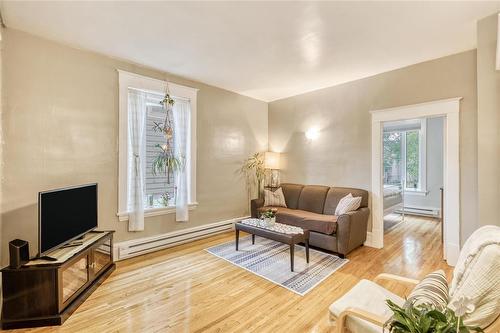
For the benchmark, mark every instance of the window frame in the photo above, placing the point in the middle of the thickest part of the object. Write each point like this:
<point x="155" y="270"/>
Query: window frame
<point x="422" y="162"/>
<point x="128" y="80"/>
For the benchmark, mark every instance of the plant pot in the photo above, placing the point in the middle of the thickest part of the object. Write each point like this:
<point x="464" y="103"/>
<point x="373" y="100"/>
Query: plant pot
<point x="269" y="221"/>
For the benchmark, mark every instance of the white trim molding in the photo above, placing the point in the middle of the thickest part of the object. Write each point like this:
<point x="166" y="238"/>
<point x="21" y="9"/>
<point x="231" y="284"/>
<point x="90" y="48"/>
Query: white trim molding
<point x="420" y="193"/>
<point x="140" y="246"/>
<point x="449" y="108"/>
<point x="150" y="212"/>
<point x="131" y="80"/>
<point x="369" y="240"/>
<point x="498" y="42"/>
<point x="422" y="155"/>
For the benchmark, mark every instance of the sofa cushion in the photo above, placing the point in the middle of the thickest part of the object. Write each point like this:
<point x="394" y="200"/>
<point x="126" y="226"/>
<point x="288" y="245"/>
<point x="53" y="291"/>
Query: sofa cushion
<point x="292" y="194"/>
<point x="326" y="224"/>
<point x="336" y="193"/>
<point x="312" y="198"/>
<point x="275" y="208"/>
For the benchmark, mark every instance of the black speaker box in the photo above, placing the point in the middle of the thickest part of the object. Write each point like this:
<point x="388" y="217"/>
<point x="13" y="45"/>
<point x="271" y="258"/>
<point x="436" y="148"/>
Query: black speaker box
<point x="19" y="253"/>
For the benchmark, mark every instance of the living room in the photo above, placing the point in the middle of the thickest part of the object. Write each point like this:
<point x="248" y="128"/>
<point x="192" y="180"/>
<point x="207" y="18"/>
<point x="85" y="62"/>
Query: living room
<point x="183" y="124"/>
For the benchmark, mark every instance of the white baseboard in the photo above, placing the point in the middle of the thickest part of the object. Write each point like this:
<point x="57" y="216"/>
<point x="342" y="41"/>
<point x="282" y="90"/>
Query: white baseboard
<point x="452" y="253"/>
<point x="136" y="247"/>
<point x="422" y="211"/>
<point x="368" y="241"/>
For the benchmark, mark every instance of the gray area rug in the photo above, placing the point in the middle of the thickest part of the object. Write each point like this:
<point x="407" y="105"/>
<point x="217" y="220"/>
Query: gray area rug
<point x="271" y="260"/>
<point x="392" y="220"/>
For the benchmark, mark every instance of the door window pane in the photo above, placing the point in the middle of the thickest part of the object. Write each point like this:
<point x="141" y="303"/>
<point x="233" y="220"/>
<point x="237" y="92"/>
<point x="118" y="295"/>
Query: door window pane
<point x="392" y="158"/>
<point x="412" y="159"/>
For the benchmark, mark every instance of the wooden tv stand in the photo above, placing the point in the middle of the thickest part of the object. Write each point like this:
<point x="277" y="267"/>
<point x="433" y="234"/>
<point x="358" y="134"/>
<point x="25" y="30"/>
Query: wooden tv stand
<point x="46" y="293"/>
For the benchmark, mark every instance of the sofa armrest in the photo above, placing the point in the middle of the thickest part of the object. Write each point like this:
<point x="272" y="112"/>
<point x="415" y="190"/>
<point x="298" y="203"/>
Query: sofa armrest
<point x="351" y="230"/>
<point x="255" y="204"/>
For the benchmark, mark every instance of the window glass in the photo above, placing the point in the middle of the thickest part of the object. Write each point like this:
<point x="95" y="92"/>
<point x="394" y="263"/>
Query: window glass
<point x="402" y="158"/>
<point x="412" y="159"/>
<point x="159" y="184"/>
<point x="392" y="158"/>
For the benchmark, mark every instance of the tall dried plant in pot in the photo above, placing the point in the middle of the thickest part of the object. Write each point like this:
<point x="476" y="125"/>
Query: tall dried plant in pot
<point x="254" y="173"/>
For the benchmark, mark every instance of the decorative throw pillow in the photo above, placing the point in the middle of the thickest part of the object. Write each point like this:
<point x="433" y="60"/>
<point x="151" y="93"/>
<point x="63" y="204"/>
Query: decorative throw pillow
<point x="276" y="198"/>
<point x="433" y="290"/>
<point x="480" y="284"/>
<point x="348" y="204"/>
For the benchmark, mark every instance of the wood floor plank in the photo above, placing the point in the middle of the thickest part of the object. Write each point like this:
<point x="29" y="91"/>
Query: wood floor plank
<point x="186" y="289"/>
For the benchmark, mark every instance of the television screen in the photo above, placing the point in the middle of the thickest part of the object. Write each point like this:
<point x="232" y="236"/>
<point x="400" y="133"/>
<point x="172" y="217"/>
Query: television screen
<point x="64" y="215"/>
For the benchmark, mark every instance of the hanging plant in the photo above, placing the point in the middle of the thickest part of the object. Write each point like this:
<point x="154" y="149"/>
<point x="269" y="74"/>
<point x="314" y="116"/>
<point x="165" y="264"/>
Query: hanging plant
<point x="167" y="101"/>
<point x="167" y="126"/>
<point x="165" y="198"/>
<point x="166" y="161"/>
<point x="167" y="131"/>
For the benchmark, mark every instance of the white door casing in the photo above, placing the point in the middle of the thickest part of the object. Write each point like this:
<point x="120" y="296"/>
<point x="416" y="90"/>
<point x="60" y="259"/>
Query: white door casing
<point x="450" y="109"/>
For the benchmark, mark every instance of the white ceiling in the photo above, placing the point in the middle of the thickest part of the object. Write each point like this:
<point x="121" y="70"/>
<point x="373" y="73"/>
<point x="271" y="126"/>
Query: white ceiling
<point x="266" y="50"/>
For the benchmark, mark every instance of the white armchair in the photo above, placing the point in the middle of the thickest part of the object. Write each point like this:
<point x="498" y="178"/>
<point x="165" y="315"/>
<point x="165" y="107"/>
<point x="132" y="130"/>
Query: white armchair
<point x="477" y="276"/>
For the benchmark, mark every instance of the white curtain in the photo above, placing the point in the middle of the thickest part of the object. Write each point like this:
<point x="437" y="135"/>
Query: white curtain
<point x="136" y="158"/>
<point x="182" y="123"/>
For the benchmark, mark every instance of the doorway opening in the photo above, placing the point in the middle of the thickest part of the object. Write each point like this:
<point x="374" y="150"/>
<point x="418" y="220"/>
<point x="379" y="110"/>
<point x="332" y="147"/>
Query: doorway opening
<point x="413" y="174"/>
<point x="448" y="111"/>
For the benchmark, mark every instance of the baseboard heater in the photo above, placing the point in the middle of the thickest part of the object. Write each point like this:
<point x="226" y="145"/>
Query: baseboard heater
<point x="136" y="247"/>
<point x="433" y="212"/>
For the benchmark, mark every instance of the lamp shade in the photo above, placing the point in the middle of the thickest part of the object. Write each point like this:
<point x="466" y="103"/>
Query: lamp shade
<point x="272" y="160"/>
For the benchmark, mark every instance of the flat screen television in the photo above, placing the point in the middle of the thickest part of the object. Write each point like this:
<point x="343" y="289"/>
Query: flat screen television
<point x="65" y="215"/>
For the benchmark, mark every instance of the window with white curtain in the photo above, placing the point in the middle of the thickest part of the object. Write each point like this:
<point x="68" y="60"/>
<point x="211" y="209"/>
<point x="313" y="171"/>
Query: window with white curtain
<point x="142" y="187"/>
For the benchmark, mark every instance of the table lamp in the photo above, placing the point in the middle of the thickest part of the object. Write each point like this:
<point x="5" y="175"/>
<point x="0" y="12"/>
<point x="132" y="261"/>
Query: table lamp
<point x="272" y="162"/>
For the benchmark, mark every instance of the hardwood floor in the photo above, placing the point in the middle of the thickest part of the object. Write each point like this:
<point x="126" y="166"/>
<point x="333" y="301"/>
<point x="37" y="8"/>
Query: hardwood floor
<point x="186" y="289"/>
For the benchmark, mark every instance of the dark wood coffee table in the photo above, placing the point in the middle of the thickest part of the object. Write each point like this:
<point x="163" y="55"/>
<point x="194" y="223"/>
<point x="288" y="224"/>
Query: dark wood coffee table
<point x="290" y="239"/>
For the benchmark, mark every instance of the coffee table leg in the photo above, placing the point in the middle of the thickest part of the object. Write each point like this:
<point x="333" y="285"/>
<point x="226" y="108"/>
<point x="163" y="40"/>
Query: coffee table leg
<point x="253" y="239"/>
<point x="307" y="250"/>
<point x="237" y="238"/>
<point x="292" y="252"/>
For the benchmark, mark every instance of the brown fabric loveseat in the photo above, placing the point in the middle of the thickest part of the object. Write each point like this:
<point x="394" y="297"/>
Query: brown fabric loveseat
<point x="312" y="207"/>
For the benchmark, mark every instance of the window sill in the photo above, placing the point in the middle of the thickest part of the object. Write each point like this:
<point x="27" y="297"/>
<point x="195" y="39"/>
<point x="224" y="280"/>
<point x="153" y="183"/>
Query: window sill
<point x="150" y="212"/>
<point x="416" y="192"/>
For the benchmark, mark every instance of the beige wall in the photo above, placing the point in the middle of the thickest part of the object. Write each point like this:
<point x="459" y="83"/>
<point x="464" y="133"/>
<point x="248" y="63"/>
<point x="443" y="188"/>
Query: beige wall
<point x="341" y="156"/>
<point x="60" y="126"/>
<point x="1" y="146"/>
<point x="488" y="121"/>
